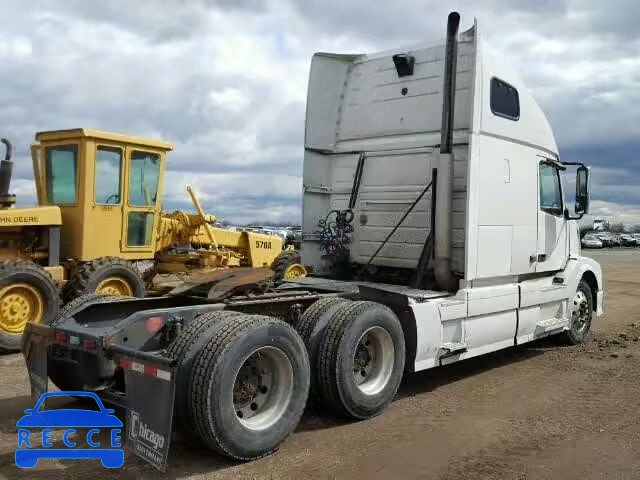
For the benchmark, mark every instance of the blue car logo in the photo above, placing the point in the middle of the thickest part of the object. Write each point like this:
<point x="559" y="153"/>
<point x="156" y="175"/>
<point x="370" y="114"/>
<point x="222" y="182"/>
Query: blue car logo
<point x="32" y="447"/>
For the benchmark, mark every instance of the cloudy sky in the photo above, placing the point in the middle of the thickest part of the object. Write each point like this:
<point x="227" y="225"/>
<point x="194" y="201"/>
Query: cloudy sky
<point x="225" y="80"/>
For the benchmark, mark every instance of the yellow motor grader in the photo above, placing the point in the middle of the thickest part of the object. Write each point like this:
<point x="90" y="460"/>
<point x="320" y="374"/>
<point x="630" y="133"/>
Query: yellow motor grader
<point x="99" y="228"/>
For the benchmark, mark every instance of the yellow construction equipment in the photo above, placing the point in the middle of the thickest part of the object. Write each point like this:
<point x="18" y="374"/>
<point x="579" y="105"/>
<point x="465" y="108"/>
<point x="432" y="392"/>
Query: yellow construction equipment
<point x="99" y="227"/>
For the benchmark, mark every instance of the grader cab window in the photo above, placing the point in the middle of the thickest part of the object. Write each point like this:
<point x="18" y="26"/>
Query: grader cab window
<point x="108" y="167"/>
<point x="143" y="179"/>
<point x="139" y="229"/>
<point x="61" y="164"/>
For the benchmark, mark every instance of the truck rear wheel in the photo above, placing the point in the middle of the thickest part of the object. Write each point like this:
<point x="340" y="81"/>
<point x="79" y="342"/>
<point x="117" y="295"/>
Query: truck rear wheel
<point x="250" y="385"/>
<point x="361" y="359"/>
<point x="106" y="276"/>
<point x="184" y="350"/>
<point x="27" y="294"/>
<point x="311" y="328"/>
<point x="581" y="315"/>
<point x="65" y="374"/>
<point x="288" y="266"/>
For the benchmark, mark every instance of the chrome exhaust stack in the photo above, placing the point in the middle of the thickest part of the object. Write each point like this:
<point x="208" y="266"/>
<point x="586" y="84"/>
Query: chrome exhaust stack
<point x="442" y="264"/>
<point x="6" y="169"/>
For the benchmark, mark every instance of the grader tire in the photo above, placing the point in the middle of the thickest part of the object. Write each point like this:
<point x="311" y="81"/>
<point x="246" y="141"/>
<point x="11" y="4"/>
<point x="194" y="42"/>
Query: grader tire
<point x="250" y="386"/>
<point x="105" y="275"/>
<point x="27" y="293"/>
<point x="184" y="350"/>
<point x="288" y="266"/>
<point x="68" y="376"/>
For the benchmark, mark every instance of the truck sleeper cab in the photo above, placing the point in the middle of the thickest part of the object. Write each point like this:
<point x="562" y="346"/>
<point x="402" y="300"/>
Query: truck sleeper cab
<point x="435" y="224"/>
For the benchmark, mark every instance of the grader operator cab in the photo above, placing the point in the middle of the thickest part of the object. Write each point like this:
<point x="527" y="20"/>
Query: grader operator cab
<point x="99" y="228"/>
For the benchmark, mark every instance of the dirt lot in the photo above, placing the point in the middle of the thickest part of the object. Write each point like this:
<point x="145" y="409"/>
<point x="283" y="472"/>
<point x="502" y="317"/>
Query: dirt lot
<point x="544" y="411"/>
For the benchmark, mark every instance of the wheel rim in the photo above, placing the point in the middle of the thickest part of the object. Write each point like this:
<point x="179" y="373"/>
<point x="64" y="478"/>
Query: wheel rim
<point x="115" y="286"/>
<point x="373" y="360"/>
<point x="294" y="271"/>
<point x="20" y="303"/>
<point x="580" y="314"/>
<point x="263" y="388"/>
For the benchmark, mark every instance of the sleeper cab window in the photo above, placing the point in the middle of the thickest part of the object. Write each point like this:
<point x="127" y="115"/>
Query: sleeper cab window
<point x="504" y="100"/>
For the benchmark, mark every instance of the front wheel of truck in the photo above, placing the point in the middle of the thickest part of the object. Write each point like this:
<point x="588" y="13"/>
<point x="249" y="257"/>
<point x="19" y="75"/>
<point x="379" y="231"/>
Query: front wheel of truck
<point x="581" y="314"/>
<point x="249" y="386"/>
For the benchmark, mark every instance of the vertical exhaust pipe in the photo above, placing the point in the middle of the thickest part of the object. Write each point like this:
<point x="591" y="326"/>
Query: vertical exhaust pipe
<point x="6" y="169"/>
<point x="442" y="265"/>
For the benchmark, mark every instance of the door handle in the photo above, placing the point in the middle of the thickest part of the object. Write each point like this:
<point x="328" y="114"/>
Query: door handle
<point x="537" y="258"/>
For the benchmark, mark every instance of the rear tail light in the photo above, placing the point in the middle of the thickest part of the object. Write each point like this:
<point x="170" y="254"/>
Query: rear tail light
<point x="89" y="344"/>
<point x="125" y="363"/>
<point x="61" y="337"/>
<point x="154" y="324"/>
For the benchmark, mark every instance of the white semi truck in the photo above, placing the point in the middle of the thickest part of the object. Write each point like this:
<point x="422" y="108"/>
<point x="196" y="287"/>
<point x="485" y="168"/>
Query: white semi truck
<point x="435" y="227"/>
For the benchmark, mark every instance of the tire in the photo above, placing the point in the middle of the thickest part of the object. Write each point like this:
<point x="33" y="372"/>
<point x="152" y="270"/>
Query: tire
<point x="90" y="278"/>
<point x="311" y="328"/>
<point x="69" y="376"/>
<point x="287" y="266"/>
<point x="184" y="350"/>
<point x="369" y="330"/>
<point x="218" y="403"/>
<point x="78" y="303"/>
<point x="581" y="315"/>
<point x="35" y="293"/>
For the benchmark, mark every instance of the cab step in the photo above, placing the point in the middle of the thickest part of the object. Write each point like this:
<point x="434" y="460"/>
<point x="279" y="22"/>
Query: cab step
<point x="452" y="348"/>
<point x="552" y="324"/>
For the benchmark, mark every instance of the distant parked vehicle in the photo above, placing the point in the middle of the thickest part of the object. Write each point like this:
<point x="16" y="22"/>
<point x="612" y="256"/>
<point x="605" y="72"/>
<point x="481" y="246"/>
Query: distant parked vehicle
<point x="591" y="241"/>
<point x="606" y="238"/>
<point x="629" y="240"/>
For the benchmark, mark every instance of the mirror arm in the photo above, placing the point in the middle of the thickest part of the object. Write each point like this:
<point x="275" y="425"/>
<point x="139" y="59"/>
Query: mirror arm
<point x="567" y="215"/>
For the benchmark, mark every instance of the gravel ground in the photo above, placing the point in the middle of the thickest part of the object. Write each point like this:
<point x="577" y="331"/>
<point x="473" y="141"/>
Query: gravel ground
<point x="543" y="411"/>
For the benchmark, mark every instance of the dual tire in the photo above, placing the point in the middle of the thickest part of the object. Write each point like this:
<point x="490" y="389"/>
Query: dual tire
<point x="358" y="353"/>
<point x="243" y="380"/>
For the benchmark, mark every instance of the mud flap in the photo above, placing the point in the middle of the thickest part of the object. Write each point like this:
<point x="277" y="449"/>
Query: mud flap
<point x="35" y="344"/>
<point x="150" y="389"/>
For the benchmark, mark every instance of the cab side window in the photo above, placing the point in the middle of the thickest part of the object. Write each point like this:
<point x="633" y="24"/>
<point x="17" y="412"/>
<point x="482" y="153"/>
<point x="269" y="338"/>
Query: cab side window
<point x="61" y="164"/>
<point x="143" y="179"/>
<point x="504" y="100"/>
<point x="108" y="168"/>
<point x="550" y="190"/>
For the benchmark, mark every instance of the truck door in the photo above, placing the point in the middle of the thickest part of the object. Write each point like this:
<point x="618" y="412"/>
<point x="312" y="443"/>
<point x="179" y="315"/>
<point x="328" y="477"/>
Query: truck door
<point x="553" y="246"/>
<point x="142" y="207"/>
